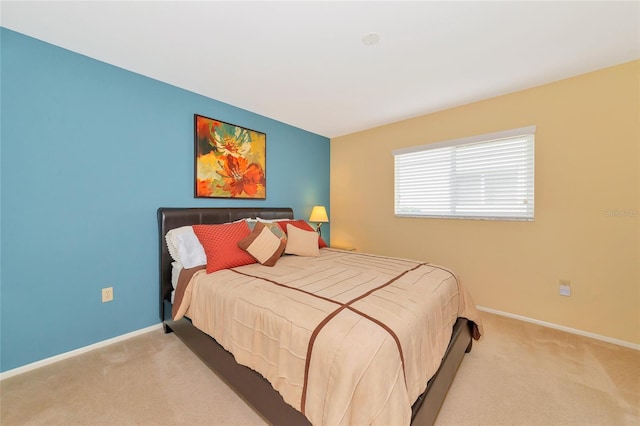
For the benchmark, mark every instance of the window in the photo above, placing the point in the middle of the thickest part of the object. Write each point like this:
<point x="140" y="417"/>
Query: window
<point x="482" y="177"/>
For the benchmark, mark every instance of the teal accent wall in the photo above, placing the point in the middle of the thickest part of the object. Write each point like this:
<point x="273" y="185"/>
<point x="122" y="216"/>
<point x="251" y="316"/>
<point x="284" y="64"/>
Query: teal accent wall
<point x="89" y="152"/>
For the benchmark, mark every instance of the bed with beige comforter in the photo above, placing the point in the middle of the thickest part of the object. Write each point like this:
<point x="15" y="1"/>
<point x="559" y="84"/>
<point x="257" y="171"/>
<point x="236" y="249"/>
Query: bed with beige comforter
<point x="345" y="338"/>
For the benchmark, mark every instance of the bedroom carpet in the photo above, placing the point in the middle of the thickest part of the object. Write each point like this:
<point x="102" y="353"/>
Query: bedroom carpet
<point x="518" y="374"/>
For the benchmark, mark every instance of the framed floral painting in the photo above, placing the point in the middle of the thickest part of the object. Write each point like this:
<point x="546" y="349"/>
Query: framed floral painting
<point x="230" y="160"/>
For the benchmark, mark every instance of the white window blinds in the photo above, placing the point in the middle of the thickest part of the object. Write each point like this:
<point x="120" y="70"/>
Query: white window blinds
<point x="481" y="177"/>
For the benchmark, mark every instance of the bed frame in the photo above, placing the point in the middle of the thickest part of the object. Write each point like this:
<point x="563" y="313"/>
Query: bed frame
<point x="251" y="386"/>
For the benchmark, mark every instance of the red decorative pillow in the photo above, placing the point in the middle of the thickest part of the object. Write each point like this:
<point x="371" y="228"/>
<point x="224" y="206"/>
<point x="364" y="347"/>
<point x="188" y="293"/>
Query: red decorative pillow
<point x="220" y="244"/>
<point x="302" y="225"/>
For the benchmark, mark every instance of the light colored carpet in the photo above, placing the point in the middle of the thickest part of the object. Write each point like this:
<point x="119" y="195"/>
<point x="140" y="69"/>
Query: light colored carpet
<point x="525" y="374"/>
<point x="518" y="374"/>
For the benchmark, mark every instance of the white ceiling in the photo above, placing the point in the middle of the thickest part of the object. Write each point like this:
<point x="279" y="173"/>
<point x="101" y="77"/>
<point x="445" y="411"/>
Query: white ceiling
<point x="304" y="63"/>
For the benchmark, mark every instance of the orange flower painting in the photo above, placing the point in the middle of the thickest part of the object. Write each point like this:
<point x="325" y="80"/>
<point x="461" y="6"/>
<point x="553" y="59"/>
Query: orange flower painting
<point x="230" y="160"/>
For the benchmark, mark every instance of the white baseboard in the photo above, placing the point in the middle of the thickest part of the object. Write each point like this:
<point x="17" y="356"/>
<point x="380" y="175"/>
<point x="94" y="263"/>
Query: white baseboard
<point x="563" y="328"/>
<point x="56" y="358"/>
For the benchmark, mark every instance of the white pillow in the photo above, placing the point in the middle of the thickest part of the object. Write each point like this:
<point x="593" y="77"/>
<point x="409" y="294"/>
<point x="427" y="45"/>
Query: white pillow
<point x="301" y="242"/>
<point x="259" y="219"/>
<point x="184" y="247"/>
<point x="245" y="219"/>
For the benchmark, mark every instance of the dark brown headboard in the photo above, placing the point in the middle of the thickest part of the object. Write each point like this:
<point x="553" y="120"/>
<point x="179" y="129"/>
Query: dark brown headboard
<point x="173" y="217"/>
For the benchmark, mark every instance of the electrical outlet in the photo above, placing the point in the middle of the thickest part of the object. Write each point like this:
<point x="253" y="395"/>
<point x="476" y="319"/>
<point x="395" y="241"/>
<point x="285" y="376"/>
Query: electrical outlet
<point x="107" y="294"/>
<point x="565" y="288"/>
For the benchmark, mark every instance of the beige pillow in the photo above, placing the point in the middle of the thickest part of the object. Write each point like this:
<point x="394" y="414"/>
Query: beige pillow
<point x="301" y="242"/>
<point x="263" y="245"/>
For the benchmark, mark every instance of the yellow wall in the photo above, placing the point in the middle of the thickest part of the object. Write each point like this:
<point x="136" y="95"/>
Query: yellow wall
<point x="587" y="203"/>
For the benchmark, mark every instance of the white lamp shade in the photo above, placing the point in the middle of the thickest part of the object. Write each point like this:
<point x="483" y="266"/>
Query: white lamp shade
<point x="318" y="214"/>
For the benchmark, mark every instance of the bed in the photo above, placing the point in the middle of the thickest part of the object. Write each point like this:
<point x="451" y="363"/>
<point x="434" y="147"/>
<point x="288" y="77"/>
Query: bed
<point x="253" y="387"/>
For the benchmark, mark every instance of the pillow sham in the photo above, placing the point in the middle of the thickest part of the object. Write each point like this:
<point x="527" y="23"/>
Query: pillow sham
<point x="185" y="248"/>
<point x="263" y="245"/>
<point x="220" y="244"/>
<point x="301" y="224"/>
<point x="301" y="242"/>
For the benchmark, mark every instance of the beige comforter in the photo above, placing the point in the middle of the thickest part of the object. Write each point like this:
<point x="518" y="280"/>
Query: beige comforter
<point x="346" y="338"/>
